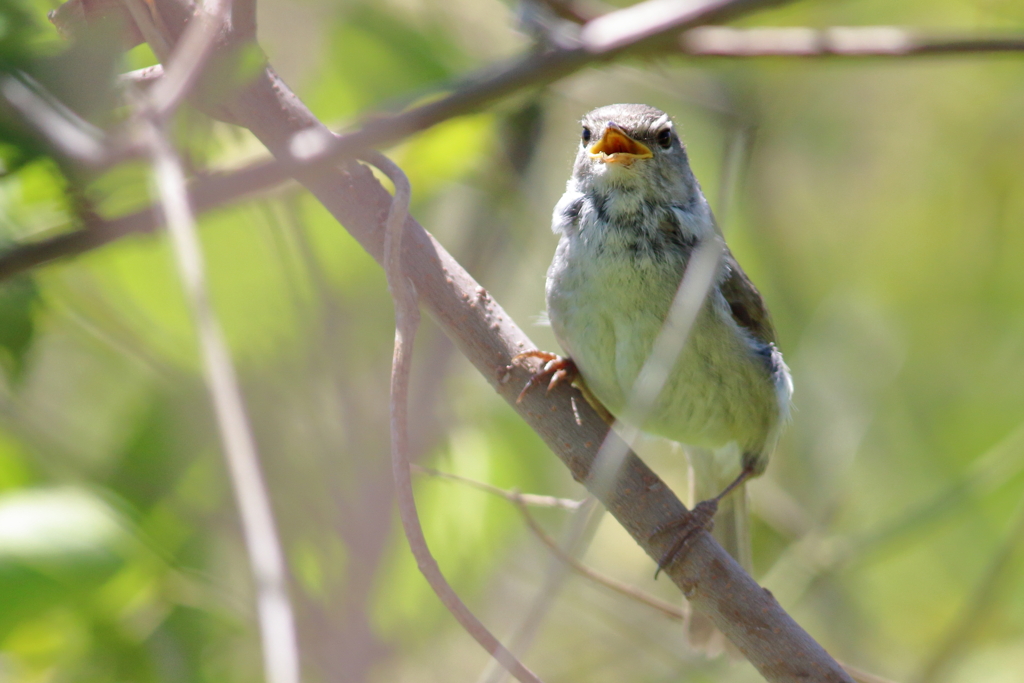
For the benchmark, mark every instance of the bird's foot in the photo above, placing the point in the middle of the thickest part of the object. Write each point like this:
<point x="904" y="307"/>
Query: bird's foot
<point x="555" y="370"/>
<point x="686" y="528"/>
<point x="700" y="518"/>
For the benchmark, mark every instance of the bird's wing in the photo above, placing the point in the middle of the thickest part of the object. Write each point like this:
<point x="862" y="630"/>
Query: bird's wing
<point x="748" y="309"/>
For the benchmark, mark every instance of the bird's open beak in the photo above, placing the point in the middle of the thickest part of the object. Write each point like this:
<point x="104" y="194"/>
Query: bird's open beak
<point x="618" y="148"/>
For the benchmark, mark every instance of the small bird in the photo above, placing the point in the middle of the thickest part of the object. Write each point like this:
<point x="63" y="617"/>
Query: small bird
<point x="631" y="217"/>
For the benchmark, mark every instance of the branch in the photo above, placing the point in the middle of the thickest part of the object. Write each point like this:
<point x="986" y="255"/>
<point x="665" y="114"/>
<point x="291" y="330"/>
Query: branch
<point x="530" y="499"/>
<point x="71" y="136"/>
<point x="407" y="320"/>
<point x="191" y="54"/>
<point x="672" y="611"/>
<point x="861" y="41"/>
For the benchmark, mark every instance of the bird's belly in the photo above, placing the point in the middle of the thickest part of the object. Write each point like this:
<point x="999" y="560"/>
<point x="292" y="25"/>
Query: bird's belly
<point x="719" y="390"/>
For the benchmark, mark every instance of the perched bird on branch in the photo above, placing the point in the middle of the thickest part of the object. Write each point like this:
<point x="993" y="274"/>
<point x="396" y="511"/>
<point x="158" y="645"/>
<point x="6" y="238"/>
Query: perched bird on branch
<point x="631" y="219"/>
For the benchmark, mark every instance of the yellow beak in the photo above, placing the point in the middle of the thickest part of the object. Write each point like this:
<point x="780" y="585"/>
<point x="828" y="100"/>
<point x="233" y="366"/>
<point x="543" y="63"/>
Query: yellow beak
<point x="618" y="148"/>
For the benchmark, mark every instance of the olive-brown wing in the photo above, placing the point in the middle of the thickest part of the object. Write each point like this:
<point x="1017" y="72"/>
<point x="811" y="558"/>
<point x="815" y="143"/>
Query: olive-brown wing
<point x="748" y="309"/>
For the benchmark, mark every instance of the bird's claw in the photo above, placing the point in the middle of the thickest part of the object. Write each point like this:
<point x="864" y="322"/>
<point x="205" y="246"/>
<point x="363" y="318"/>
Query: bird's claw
<point x="555" y="370"/>
<point x="700" y="518"/>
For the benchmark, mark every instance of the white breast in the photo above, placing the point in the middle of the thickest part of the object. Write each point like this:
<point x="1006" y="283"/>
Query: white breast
<point x="606" y="311"/>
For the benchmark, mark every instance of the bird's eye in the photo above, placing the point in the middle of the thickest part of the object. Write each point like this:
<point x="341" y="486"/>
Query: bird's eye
<point x="586" y="135"/>
<point x="664" y="138"/>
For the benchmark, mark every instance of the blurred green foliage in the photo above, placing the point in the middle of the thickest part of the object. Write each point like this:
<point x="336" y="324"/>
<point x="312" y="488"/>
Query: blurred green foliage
<point x="878" y="206"/>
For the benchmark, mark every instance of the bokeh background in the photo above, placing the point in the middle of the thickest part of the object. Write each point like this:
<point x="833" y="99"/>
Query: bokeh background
<point x="877" y="203"/>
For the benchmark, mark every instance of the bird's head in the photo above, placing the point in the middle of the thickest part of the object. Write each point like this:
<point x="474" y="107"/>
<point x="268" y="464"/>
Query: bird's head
<point x="632" y="147"/>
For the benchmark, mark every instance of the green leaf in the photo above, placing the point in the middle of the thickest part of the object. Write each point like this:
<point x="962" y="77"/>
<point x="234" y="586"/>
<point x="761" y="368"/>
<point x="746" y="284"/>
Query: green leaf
<point x="56" y="546"/>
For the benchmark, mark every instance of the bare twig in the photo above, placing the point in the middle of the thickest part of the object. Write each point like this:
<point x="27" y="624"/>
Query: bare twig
<point x="861" y="41"/>
<point x="670" y="610"/>
<point x="190" y="55"/>
<point x="266" y="558"/>
<point x="277" y="624"/>
<point x="71" y="135"/>
<point x="407" y="317"/>
<point x="523" y="502"/>
<point x="580" y="531"/>
<point x="530" y="499"/>
<point x="861" y="676"/>
<point x="145" y="76"/>
<point x="145" y="17"/>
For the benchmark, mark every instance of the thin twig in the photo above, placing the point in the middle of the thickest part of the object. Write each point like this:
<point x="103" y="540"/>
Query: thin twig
<point x="277" y="623"/>
<point x="266" y="557"/>
<point x="144" y="76"/>
<point x="523" y="502"/>
<point x="146" y="21"/>
<point x="672" y="611"/>
<point x="69" y="134"/>
<point x="407" y="317"/>
<point x="620" y="587"/>
<point x="861" y="676"/>
<point x="799" y="41"/>
<point x="838" y="41"/>
<point x="190" y="55"/>
<point x="531" y="499"/>
<point x="583" y="524"/>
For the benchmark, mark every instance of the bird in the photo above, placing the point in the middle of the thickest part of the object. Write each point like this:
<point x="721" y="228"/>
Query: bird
<point x="632" y="216"/>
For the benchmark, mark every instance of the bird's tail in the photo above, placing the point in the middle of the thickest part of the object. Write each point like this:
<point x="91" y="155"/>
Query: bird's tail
<point x="710" y="472"/>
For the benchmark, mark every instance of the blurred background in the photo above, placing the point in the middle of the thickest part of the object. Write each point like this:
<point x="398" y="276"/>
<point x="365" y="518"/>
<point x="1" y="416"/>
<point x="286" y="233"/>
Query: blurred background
<point x="877" y="203"/>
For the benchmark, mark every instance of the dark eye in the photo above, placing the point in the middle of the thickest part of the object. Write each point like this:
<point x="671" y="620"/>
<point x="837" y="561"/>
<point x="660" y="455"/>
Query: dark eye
<point x="586" y="135"/>
<point x="664" y="138"/>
